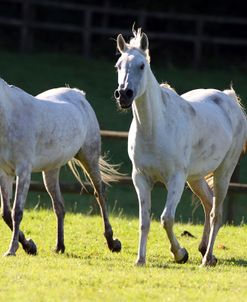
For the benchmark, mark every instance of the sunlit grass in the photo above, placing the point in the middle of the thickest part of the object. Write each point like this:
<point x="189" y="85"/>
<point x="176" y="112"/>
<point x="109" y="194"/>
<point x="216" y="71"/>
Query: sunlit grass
<point x="89" y="272"/>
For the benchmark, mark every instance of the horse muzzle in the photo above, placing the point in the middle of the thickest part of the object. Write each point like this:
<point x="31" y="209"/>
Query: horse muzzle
<point x="124" y="97"/>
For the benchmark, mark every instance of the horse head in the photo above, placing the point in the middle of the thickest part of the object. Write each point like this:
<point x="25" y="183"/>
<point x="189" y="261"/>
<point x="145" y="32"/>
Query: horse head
<point x="132" y="68"/>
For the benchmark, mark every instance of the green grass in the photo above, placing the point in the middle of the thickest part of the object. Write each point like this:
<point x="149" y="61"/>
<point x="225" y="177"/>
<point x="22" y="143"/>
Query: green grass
<point x="38" y="72"/>
<point x="89" y="272"/>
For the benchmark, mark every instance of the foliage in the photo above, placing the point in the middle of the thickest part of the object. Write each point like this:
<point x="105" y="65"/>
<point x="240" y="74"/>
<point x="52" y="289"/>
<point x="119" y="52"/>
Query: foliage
<point x="89" y="272"/>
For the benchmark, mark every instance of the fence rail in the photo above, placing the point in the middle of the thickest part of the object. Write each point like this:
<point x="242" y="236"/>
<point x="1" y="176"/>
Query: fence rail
<point x="75" y="188"/>
<point x="198" y="37"/>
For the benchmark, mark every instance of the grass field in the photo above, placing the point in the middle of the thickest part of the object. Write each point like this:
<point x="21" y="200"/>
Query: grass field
<point x="89" y="272"/>
<point x="38" y="72"/>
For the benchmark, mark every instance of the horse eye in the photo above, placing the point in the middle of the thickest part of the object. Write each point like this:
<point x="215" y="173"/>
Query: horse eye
<point x="142" y="66"/>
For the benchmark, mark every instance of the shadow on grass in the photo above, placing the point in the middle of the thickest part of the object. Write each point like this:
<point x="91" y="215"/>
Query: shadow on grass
<point x="237" y="262"/>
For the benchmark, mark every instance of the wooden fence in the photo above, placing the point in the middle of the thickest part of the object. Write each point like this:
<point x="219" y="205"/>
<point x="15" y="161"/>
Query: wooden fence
<point x="195" y="35"/>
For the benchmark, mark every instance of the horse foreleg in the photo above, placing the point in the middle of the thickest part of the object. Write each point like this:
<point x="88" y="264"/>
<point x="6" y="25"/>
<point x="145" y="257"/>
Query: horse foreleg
<point x="51" y="181"/>
<point x="205" y="194"/>
<point x="175" y="188"/>
<point x="22" y="186"/>
<point x="27" y="244"/>
<point x="143" y="190"/>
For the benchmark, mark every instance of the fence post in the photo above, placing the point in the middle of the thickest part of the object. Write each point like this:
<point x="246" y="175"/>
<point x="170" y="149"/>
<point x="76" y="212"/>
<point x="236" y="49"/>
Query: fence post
<point x="230" y="211"/>
<point x="26" y="43"/>
<point x="198" y="42"/>
<point x="86" y="38"/>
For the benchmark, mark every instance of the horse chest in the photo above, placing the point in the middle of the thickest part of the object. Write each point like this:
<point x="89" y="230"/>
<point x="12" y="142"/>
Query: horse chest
<point x="151" y="158"/>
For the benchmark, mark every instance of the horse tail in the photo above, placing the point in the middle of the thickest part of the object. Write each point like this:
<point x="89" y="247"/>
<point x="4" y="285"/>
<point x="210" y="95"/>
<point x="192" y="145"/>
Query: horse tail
<point x="210" y="180"/>
<point x="109" y="172"/>
<point x="231" y="93"/>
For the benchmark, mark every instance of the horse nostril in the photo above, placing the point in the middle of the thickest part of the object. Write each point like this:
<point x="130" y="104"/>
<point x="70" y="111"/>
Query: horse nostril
<point x="129" y="93"/>
<point x="116" y="94"/>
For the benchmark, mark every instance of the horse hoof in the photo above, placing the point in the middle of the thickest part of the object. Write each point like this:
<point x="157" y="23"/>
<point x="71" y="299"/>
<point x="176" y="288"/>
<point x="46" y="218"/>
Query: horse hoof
<point x="116" y="246"/>
<point x="31" y="248"/>
<point x="8" y="254"/>
<point x="59" y="249"/>
<point x="209" y="261"/>
<point x="182" y="256"/>
<point x="140" y="262"/>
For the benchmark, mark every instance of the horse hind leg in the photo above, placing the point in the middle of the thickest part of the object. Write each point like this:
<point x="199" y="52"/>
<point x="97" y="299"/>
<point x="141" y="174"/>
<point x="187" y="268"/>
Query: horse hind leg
<point x="51" y="181"/>
<point x="6" y="183"/>
<point x="222" y="176"/>
<point x="202" y="190"/>
<point x="90" y="163"/>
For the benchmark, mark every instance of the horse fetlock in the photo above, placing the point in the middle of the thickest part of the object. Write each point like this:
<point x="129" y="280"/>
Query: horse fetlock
<point x="209" y="261"/>
<point x="108" y="234"/>
<point x="116" y="246"/>
<point x="13" y="248"/>
<point x="30" y="247"/>
<point x="202" y="249"/>
<point x="140" y="261"/>
<point x="60" y="248"/>
<point x="181" y="256"/>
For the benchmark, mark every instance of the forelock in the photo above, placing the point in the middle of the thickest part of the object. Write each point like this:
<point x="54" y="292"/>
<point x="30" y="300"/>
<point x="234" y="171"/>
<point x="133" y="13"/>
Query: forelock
<point x="135" y="43"/>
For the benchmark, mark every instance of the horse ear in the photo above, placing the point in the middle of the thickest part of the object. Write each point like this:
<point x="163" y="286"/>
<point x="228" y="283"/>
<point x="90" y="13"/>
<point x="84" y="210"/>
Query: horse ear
<point x="144" y="42"/>
<point x="121" y="44"/>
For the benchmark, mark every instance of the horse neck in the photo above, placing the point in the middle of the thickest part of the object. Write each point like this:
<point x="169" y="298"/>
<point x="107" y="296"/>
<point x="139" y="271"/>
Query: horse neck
<point x="146" y="108"/>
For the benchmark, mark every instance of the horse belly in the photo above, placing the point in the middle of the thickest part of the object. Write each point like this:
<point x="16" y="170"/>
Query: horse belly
<point x="52" y="160"/>
<point x="56" y="150"/>
<point x="207" y="160"/>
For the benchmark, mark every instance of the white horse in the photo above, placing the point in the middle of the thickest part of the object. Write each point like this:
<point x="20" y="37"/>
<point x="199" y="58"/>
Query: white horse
<point x="174" y="139"/>
<point x="41" y="134"/>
